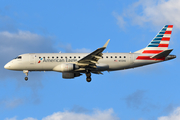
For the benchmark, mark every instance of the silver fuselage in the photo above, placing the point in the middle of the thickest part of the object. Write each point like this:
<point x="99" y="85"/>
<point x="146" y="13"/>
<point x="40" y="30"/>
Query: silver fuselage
<point x="111" y="61"/>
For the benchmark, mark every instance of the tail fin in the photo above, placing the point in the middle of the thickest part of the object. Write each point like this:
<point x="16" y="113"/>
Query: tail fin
<point x="160" y="42"/>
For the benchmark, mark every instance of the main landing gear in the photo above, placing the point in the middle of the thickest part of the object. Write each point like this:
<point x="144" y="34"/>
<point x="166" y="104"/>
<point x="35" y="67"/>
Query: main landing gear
<point x="88" y="75"/>
<point x="26" y="72"/>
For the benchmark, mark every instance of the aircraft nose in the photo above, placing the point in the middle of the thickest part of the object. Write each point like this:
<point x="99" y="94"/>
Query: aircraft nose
<point x="7" y="66"/>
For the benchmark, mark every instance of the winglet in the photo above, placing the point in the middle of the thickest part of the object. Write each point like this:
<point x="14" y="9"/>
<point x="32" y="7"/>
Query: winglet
<point x="105" y="45"/>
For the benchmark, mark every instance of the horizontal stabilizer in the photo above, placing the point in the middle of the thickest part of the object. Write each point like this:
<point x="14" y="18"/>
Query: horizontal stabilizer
<point x="162" y="54"/>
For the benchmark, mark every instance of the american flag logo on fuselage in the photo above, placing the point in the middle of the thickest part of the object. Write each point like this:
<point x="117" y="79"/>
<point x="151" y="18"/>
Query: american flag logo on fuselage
<point x="40" y="60"/>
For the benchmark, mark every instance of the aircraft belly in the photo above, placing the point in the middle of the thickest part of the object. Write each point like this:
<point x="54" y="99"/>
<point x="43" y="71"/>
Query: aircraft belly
<point x="119" y="66"/>
<point x="102" y="67"/>
<point x="138" y="63"/>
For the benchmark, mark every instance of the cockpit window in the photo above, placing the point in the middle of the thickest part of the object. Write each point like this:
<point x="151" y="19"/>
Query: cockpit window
<point x="19" y="57"/>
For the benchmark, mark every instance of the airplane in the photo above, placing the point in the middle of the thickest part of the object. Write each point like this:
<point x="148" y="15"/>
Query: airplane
<point x="75" y="64"/>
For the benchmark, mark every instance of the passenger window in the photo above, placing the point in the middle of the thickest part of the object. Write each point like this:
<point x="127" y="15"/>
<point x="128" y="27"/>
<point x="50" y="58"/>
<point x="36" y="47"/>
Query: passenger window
<point x="74" y="56"/>
<point x="44" y="57"/>
<point x="39" y="57"/>
<point x="70" y="57"/>
<point x="79" y="57"/>
<point x="61" y="57"/>
<point x="106" y="56"/>
<point x="57" y="57"/>
<point x="52" y="57"/>
<point x="48" y="56"/>
<point x="115" y="56"/>
<point x="119" y="56"/>
<point x="102" y="56"/>
<point x="124" y="56"/>
<point x="111" y="57"/>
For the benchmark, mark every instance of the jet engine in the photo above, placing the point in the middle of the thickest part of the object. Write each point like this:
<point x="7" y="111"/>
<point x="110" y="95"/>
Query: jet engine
<point x="68" y="75"/>
<point x="66" y="67"/>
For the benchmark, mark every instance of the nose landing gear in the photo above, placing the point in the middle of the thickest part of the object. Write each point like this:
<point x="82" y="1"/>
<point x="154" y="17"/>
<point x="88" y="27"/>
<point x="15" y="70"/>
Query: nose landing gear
<point x="26" y="72"/>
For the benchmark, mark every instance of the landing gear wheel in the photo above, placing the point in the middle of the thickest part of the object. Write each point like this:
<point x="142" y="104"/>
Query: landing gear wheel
<point x="88" y="79"/>
<point x="88" y="74"/>
<point x="26" y="78"/>
<point x="26" y="72"/>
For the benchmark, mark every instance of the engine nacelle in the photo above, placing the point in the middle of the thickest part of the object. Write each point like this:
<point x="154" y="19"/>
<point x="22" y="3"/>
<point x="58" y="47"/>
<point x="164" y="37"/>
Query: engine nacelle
<point x="66" y="67"/>
<point x="68" y="75"/>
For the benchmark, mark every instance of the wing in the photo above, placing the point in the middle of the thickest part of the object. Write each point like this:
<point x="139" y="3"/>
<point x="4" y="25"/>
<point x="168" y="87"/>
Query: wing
<point x="92" y="59"/>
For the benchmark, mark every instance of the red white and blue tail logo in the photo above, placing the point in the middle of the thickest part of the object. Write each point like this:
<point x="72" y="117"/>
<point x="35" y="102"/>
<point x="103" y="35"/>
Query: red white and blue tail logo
<point x="162" y="38"/>
<point x="158" y="44"/>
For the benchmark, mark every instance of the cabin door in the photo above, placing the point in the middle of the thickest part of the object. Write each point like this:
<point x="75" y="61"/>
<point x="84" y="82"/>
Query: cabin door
<point x="32" y="59"/>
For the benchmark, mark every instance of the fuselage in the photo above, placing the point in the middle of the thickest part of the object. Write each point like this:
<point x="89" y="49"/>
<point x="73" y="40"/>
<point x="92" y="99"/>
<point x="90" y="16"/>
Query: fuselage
<point x="47" y="61"/>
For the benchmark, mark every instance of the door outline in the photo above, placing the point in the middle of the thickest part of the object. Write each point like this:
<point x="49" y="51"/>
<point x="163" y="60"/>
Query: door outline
<point x="32" y="59"/>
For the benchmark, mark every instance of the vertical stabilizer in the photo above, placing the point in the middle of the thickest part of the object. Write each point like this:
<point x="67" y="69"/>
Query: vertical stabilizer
<point x="160" y="41"/>
<point x="158" y="45"/>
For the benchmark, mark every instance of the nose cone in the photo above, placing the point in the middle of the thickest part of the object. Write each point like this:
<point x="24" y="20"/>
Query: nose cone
<point x="7" y="66"/>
